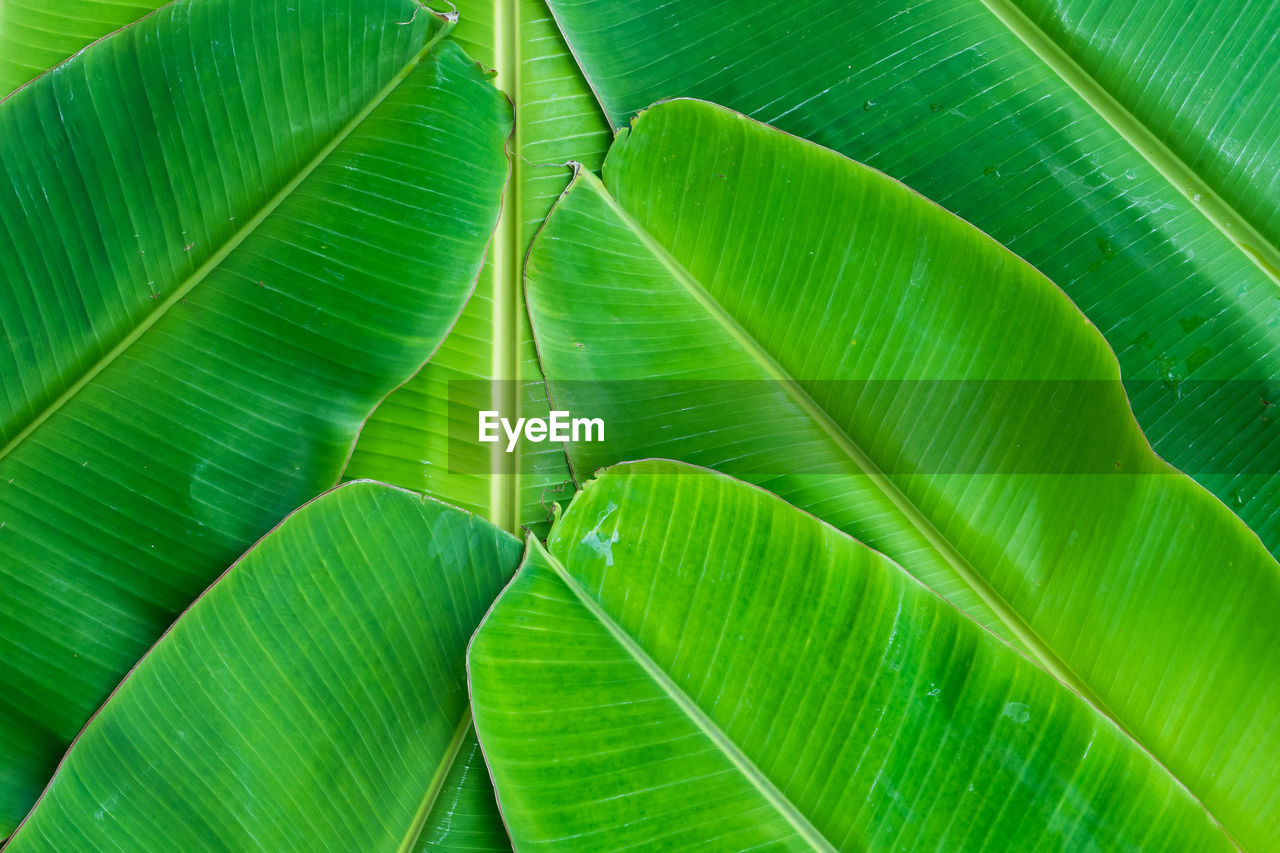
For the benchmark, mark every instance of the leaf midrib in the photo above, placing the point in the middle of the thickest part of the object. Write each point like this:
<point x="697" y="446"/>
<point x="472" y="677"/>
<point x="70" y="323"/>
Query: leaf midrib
<point x="223" y="251"/>
<point x="504" y="479"/>
<point x="953" y="557"/>
<point x="412" y="834"/>
<point x="705" y="724"/>
<point x="1220" y="213"/>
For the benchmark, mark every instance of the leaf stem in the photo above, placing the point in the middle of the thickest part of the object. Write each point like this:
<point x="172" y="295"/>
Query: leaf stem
<point x="504" y="481"/>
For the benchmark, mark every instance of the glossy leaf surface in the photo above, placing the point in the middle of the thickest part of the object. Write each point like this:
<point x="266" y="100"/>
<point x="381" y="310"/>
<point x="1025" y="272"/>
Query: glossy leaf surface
<point x="748" y="301"/>
<point x="201" y="309"/>
<point x="698" y="665"/>
<point x="424" y="436"/>
<point x="313" y="699"/>
<point x="1126" y="149"/>
<point x="465" y="815"/>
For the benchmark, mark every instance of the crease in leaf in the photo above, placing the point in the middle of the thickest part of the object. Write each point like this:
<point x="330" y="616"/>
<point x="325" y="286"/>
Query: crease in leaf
<point x="424" y="437"/>
<point x="419" y="824"/>
<point x="232" y="243"/>
<point x="1217" y="210"/>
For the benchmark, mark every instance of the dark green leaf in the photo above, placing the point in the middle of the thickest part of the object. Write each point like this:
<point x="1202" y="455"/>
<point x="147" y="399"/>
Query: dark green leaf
<point x="229" y="230"/>
<point x="313" y="699"/>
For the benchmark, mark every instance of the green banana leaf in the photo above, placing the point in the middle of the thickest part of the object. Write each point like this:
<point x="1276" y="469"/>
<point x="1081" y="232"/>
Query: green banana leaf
<point x="425" y="436"/>
<point x="1127" y="149"/>
<point x="201" y="308"/>
<point x="465" y="815"/>
<point x="745" y="300"/>
<point x="698" y="665"/>
<point x="313" y="699"/>
<point x="36" y="35"/>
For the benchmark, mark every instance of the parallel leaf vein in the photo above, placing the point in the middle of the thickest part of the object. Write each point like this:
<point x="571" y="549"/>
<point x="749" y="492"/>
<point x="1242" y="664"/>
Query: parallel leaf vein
<point x="948" y="551"/>
<point x="450" y="757"/>
<point x="745" y="765"/>
<point x="1236" y="228"/>
<point x="216" y="259"/>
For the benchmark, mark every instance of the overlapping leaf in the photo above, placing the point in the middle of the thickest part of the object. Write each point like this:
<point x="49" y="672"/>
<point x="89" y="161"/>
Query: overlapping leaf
<point x="1126" y="149"/>
<point x="748" y="301"/>
<point x="313" y="699"/>
<point x="697" y="665"/>
<point x="229" y="230"/>
<point x="36" y="35"/>
<point x="424" y="436"/>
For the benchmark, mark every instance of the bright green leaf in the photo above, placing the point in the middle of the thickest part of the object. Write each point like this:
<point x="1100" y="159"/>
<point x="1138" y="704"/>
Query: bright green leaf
<point x="748" y="301"/>
<point x="229" y="231"/>
<point x="1128" y="150"/>
<point x="697" y="665"/>
<point x="313" y="699"/>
